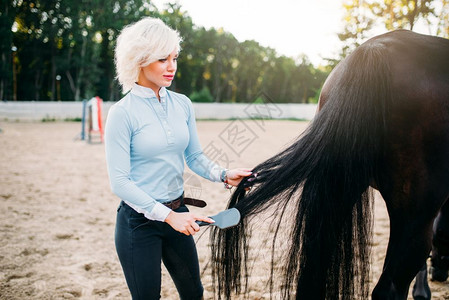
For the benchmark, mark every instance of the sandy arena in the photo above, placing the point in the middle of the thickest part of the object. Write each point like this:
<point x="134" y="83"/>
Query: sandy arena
<point x="58" y="213"/>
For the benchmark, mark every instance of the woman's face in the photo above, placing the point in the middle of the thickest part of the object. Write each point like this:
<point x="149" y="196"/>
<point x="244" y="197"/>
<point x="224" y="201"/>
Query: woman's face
<point x="159" y="73"/>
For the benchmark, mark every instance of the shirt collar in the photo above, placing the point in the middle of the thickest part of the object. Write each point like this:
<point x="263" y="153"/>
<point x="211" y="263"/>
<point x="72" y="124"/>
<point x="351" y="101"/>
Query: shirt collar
<point x="145" y="92"/>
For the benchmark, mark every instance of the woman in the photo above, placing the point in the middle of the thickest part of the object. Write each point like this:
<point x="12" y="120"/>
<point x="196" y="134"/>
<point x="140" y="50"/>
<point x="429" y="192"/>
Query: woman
<point x="149" y="133"/>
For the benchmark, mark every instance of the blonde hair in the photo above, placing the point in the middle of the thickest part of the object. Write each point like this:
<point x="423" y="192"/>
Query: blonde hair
<point x="140" y="44"/>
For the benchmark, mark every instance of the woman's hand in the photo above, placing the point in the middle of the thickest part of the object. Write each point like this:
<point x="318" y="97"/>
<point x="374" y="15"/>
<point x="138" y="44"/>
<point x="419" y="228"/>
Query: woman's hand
<point x="185" y="222"/>
<point x="236" y="175"/>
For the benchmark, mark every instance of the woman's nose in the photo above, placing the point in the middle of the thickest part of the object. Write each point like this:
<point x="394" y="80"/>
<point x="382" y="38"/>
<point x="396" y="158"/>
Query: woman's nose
<point x="172" y="65"/>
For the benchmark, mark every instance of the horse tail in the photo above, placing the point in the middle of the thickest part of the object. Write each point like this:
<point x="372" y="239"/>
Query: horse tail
<point x="326" y="175"/>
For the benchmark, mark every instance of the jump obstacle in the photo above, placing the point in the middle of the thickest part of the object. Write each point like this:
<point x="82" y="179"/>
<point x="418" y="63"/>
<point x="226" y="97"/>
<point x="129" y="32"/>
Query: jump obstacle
<point x="93" y="120"/>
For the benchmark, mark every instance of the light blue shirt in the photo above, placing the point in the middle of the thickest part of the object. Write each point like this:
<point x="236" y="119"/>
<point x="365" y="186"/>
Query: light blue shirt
<point x="146" y="144"/>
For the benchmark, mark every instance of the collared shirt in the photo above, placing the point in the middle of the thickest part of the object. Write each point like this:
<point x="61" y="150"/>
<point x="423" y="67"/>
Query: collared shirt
<point x="146" y="143"/>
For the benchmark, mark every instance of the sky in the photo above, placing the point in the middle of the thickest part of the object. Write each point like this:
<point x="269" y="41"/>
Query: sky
<point x="291" y="27"/>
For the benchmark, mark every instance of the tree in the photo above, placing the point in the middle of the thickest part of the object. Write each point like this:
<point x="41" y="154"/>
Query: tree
<point x="37" y="41"/>
<point x="401" y="13"/>
<point x="357" y="22"/>
<point x="443" y="20"/>
<point x="108" y="18"/>
<point x="7" y="15"/>
<point x="278" y="80"/>
<point x="188" y="63"/>
<point x="361" y="17"/>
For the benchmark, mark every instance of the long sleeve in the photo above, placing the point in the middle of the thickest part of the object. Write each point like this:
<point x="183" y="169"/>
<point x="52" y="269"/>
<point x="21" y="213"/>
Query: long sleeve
<point x="195" y="158"/>
<point x="118" y="135"/>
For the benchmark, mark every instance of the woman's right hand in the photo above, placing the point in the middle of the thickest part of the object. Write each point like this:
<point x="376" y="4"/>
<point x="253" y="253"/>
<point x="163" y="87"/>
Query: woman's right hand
<point x="184" y="222"/>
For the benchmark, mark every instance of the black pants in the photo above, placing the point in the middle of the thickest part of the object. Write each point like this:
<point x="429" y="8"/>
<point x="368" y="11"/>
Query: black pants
<point x="141" y="244"/>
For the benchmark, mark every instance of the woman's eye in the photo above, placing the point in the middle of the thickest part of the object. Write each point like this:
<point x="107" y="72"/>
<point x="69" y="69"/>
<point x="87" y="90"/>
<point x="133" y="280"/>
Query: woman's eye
<point x="163" y="60"/>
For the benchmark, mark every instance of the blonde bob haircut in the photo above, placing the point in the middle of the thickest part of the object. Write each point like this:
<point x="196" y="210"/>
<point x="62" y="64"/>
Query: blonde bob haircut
<point x="141" y="43"/>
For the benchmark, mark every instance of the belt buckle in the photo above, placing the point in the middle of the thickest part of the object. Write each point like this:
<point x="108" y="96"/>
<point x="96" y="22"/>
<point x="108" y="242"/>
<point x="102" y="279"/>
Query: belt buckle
<point x="175" y="204"/>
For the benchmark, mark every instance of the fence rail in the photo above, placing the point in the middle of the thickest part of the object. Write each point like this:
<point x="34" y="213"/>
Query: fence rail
<point x="55" y="110"/>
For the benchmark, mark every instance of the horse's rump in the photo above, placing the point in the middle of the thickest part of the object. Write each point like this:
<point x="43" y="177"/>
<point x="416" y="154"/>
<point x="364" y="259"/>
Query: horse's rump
<point x="345" y="149"/>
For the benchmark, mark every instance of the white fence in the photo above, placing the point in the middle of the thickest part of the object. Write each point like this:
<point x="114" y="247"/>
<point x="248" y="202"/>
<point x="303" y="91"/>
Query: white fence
<point x="49" y="110"/>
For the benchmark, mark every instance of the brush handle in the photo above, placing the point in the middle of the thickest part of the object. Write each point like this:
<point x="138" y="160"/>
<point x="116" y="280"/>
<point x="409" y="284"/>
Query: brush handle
<point x="202" y="223"/>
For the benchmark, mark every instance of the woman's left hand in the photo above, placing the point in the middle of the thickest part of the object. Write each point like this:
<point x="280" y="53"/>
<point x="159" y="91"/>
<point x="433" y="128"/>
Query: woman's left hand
<point x="236" y="175"/>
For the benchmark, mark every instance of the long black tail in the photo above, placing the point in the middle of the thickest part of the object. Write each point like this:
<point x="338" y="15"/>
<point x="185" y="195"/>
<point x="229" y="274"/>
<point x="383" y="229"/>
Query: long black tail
<point x="333" y="163"/>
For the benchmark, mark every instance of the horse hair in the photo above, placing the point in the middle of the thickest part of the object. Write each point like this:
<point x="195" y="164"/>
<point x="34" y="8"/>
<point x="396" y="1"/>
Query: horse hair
<point x="326" y="175"/>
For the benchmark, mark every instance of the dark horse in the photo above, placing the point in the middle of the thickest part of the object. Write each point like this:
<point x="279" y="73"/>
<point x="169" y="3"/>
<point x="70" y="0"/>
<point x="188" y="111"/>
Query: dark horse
<point x="383" y="122"/>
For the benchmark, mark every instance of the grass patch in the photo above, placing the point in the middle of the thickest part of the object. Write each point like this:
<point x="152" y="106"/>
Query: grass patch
<point x="48" y="119"/>
<point x="76" y="119"/>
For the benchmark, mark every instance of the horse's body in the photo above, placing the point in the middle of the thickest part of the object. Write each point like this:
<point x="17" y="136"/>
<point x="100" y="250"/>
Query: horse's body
<point x="383" y="122"/>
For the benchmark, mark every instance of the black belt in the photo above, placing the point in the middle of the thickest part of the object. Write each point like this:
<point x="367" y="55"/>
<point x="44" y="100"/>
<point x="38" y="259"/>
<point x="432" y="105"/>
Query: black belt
<point x="175" y="204"/>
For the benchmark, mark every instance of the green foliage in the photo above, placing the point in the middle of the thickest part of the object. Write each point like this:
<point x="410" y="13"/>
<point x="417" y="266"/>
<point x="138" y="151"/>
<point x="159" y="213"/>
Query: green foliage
<point x="47" y="119"/>
<point x="357" y="25"/>
<point x="203" y="95"/>
<point x="401" y="14"/>
<point x="76" y="119"/>
<point x="361" y="16"/>
<point x="74" y="41"/>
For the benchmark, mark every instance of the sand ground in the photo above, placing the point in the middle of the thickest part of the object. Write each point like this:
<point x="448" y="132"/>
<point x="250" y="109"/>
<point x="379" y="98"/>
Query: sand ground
<point x="58" y="213"/>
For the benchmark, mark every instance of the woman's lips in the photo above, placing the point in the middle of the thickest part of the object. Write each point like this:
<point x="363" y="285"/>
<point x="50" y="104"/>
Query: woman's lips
<point x="169" y="77"/>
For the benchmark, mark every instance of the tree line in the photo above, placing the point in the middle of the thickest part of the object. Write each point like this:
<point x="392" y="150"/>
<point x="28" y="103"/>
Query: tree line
<point x="63" y="50"/>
